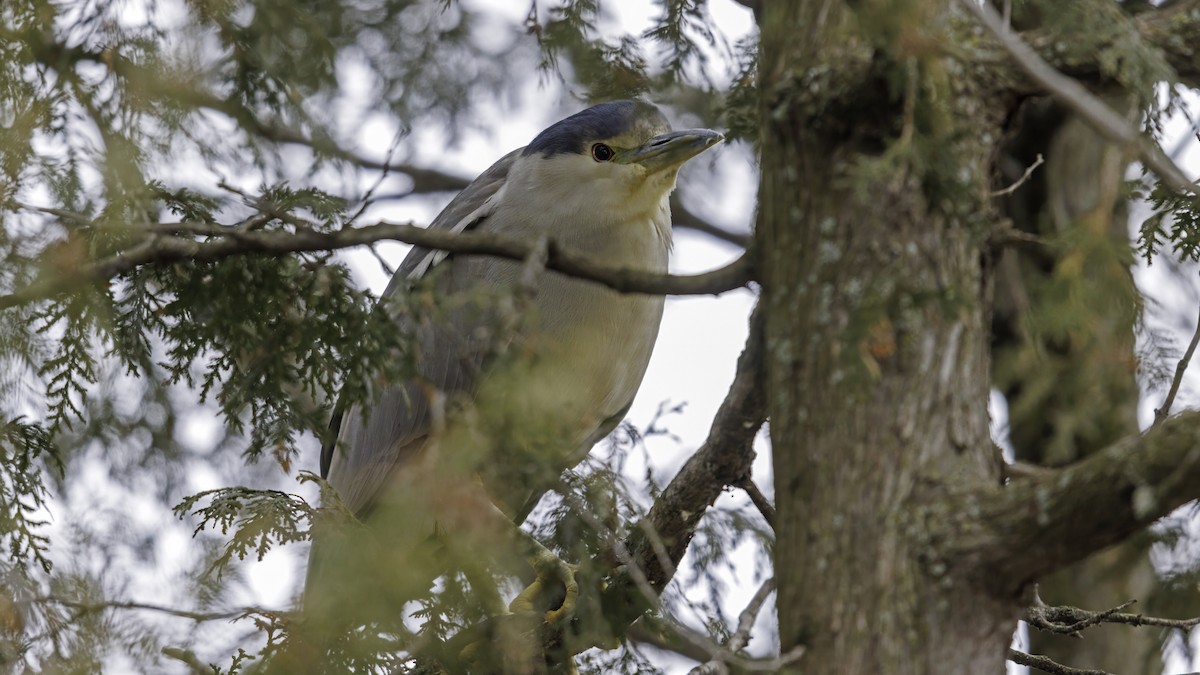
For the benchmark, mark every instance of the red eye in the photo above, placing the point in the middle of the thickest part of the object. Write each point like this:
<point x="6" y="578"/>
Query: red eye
<point x="602" y="153"/>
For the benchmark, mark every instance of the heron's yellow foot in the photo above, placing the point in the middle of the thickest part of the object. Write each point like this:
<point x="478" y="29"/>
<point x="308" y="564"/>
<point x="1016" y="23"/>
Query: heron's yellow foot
<point x="550" y="570"/>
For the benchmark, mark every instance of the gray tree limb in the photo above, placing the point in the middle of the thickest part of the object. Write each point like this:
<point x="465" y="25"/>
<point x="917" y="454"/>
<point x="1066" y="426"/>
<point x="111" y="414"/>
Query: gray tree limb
<point x="741" y="637"/>
<point x="166" y="248"/>
<point x="1011" y="535"/>
<point x="1048" y="665"/>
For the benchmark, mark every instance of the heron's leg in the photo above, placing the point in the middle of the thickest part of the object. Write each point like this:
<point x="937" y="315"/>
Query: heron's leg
<point x="550" y="569"/>
<point x="552" y="573"/>
<point x="554" y="580"/>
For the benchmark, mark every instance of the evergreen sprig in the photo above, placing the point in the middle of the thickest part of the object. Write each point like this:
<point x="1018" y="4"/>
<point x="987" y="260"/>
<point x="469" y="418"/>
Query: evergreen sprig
<point x="1174" y="221"/>
<point x="259" y="519"/>
<point x="26" y="451"/>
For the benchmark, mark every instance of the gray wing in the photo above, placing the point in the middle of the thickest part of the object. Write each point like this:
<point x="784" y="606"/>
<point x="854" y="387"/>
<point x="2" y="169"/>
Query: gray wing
<point x="367" y="448"/>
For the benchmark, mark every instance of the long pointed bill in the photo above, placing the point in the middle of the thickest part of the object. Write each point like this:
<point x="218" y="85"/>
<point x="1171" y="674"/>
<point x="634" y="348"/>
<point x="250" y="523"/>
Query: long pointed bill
<point x="672" y="149"/>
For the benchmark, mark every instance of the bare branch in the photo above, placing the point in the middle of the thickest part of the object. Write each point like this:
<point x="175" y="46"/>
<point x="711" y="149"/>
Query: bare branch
<point x="1020" y="181"/>
<point x="1162" y="413"/>
<point x="691" y="645"/>
<point x="158" y="249"/>
<point x="82" y="608"/>
<point x="187" y="658"/>
<point x="1007" y="235"/>
<point x="666" y="640"/>
<point x="741" y="637"/>
<point x="764" y="505"/>
<point x="1103" y="119"/>
<point x="1071" y="620"/>
<point x="1047" y="665"/>
<point x="1068" y="620"/>
<point x="383" y="263"/>
<point x="1026" y="470"/>
<point x="682" y="216"/>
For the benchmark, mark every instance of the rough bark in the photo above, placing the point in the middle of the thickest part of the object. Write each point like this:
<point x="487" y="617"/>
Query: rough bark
<point x="876" y="364"/>
<point x="1009" y="536"/>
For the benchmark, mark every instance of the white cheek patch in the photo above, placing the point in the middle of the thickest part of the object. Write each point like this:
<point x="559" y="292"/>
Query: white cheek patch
<point x="469" y="222"/>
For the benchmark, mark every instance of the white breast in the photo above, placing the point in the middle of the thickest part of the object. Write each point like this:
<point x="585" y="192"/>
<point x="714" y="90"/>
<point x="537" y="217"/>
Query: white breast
<point x="592" y="343"/>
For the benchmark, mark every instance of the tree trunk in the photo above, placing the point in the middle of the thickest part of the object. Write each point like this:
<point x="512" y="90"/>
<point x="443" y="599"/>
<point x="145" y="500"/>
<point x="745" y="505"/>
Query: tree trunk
<point x="877" y="353"/>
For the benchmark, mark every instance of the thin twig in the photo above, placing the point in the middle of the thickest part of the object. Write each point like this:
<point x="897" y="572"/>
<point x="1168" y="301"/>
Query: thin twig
<point x="63" y="214"/>
<point x="1103" y="119"/>
<point x="1051" y="619"/>
<point x="383" y="263"/>
<point x="682" y="216"/>
<point x="669" y="641"/>
<point x="1020" y="181"/>
<point x="741" y="637"/>
<point x="1162" y="413"/>
<point x="1067" y="620"/>
<point x="1192" y="136"/>
<point x="764" y="505"/>
<point x="1048" y="665"/>
<point x="642" y="582"/>
<point x="705" y="645"/>
<point x="369" y="198"/>
<point x="618" y="548"/>
<point x="250" y="199"/>
<point x="1007" y="235"/>
<point x="83" y="608"/>
<point x="648" y="631"/>
<point x="187" y="658"/>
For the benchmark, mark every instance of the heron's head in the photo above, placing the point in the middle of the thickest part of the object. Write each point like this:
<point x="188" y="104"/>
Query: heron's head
<point x="617" y="155"/>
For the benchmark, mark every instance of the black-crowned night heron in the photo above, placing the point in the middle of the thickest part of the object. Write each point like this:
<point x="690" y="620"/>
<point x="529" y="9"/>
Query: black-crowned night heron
<point x="597" y="182"/>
